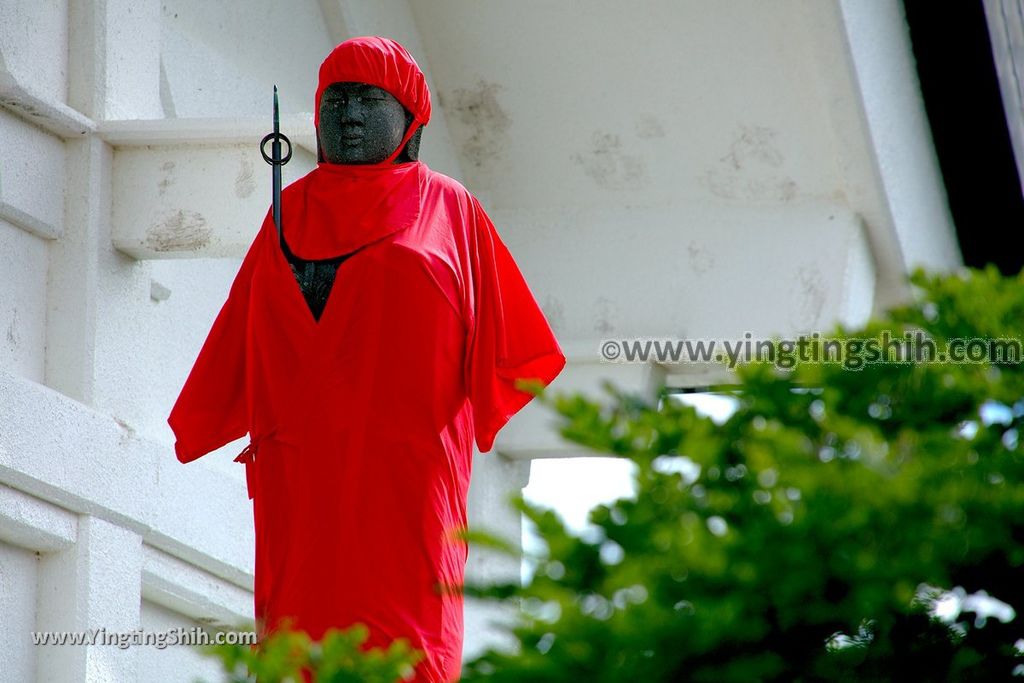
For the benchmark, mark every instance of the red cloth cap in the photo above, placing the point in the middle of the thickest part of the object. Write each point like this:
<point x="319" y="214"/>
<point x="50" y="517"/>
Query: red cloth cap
<point x="381" y="62"/>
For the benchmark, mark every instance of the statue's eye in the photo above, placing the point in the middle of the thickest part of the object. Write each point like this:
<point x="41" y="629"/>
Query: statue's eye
<point x="338" y="102"/>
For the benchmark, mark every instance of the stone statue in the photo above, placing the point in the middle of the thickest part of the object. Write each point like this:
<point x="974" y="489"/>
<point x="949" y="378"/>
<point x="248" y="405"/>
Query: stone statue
<point x="363" y="388"/>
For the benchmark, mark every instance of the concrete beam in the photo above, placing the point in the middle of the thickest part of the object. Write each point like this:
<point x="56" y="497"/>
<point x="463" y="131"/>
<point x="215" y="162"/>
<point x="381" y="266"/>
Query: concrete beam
<point x="55" y="117"/>
<point x="886" y="155"/>
<point x="31" y="523"/>
<point x="29" y="195"/>
<point x="186" y="589"/>
<point x="1006" y="31"/>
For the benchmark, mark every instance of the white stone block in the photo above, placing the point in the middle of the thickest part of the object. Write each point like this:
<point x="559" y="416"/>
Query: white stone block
<point x="132" y="59"/>
<point x="222" y="59"/>
<point x="23" y="268"/>
<point x="85" y="588"/>
<point x="19" y="569"/>
<point x="193" y="593"/>
<point x="187" y="663"/>
<point x="29" y="522"/>
<point x="33" y="45"/>
<point x="31" y="177"/>
<point x="188" y="202"/>
<point x="74" y="272"/>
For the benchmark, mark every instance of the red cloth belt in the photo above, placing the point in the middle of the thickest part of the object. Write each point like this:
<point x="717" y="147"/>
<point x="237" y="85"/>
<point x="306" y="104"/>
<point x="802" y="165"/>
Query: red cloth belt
<point x="248" y="458"/>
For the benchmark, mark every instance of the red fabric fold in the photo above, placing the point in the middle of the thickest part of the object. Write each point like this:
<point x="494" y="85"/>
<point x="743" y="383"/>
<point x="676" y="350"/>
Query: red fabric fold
<point x="510" y="339"/>
<point x="340" y="208"/>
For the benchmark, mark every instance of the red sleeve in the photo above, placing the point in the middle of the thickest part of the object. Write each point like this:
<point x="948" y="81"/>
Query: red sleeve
<point x="212" y="409"/>
<point x="509" y="339"/>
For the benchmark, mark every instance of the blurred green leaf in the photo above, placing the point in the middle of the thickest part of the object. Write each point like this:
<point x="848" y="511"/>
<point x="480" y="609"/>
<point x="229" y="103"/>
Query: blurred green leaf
<point x="827" y="509"/>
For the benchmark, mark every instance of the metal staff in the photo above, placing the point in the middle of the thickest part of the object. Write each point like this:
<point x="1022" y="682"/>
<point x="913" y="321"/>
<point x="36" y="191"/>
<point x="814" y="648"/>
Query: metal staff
<point x="275" y="160"/>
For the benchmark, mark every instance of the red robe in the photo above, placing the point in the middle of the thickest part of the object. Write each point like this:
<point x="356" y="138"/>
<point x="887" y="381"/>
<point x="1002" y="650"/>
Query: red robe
<point x="362" y="424"/>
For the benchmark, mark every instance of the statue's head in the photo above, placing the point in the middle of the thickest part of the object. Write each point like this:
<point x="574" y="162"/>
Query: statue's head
<point x="363" y="124"/>
<point x="372" y="102"/>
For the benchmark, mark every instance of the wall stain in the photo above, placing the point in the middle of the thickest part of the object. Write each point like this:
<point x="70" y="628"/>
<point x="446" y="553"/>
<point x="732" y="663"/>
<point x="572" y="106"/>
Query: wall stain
<point x="14" y="103"/>
<point x="13" y="337"/>
<point x="127" y="431"/>
<point x="610" y="166"/>
<point x="168" y="178"/>
<point x="810" y="296"/>
<point x="752" y="169"/>
<point x="754" y="144"/>
<point x="244" y="183"/>
<point x="701" y="260"/>
<point x="649" y="127"/>
<point x="158" y="292"/>
<point x="486" y="121"/>
<point x="554" y="312"/>
<point x="179" y="231"/>
<point x="605" y="313"/>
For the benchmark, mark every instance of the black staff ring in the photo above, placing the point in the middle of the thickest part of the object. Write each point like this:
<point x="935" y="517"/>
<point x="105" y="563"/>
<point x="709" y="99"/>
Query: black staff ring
<point x="275" y="137"/>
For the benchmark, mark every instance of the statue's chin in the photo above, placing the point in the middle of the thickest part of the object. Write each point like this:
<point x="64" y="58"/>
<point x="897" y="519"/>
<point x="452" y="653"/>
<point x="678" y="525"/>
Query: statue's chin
<point x="351" y="160"/>
<point x="350" y="154"/>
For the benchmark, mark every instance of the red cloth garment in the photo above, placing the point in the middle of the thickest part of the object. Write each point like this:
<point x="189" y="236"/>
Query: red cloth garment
<point x="362" y="424"/>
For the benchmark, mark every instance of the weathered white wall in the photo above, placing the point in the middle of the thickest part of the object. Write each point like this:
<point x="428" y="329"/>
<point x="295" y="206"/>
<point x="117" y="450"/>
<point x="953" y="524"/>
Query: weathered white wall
<point x="678" y="104"/>
<point x="717" y="272"/>
<point x="26" y="182"/>
<point x="19" y="569"/>
<point x="219" y="59"/>
<point x="22" y="310"/>
<point x="44" y="26"/>
<point x="155" y="664"/>
<point x="693" y="127"/>
<point x="689" y="169"/>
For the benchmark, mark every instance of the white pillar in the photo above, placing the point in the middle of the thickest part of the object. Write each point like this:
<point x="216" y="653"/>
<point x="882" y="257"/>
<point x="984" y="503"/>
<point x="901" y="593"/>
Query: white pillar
<point x="94" y="584"/>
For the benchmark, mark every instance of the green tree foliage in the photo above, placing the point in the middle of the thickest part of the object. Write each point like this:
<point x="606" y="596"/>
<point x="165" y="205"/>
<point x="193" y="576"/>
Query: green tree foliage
<point x="829" y="513"/>
<point x="339" y="658"/>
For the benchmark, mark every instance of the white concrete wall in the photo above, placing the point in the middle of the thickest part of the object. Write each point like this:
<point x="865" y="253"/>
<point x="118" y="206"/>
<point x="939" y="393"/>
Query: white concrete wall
<point x="22" y="309"/>
<point x="688" y="170"/>
<point x="44" y="27"/>
<point x="19" y="571"/>
<point x="155" y="664"/>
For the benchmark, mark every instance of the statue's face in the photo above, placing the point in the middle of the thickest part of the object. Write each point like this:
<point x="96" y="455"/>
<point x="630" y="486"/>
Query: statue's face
<point x="359" y="123"/>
